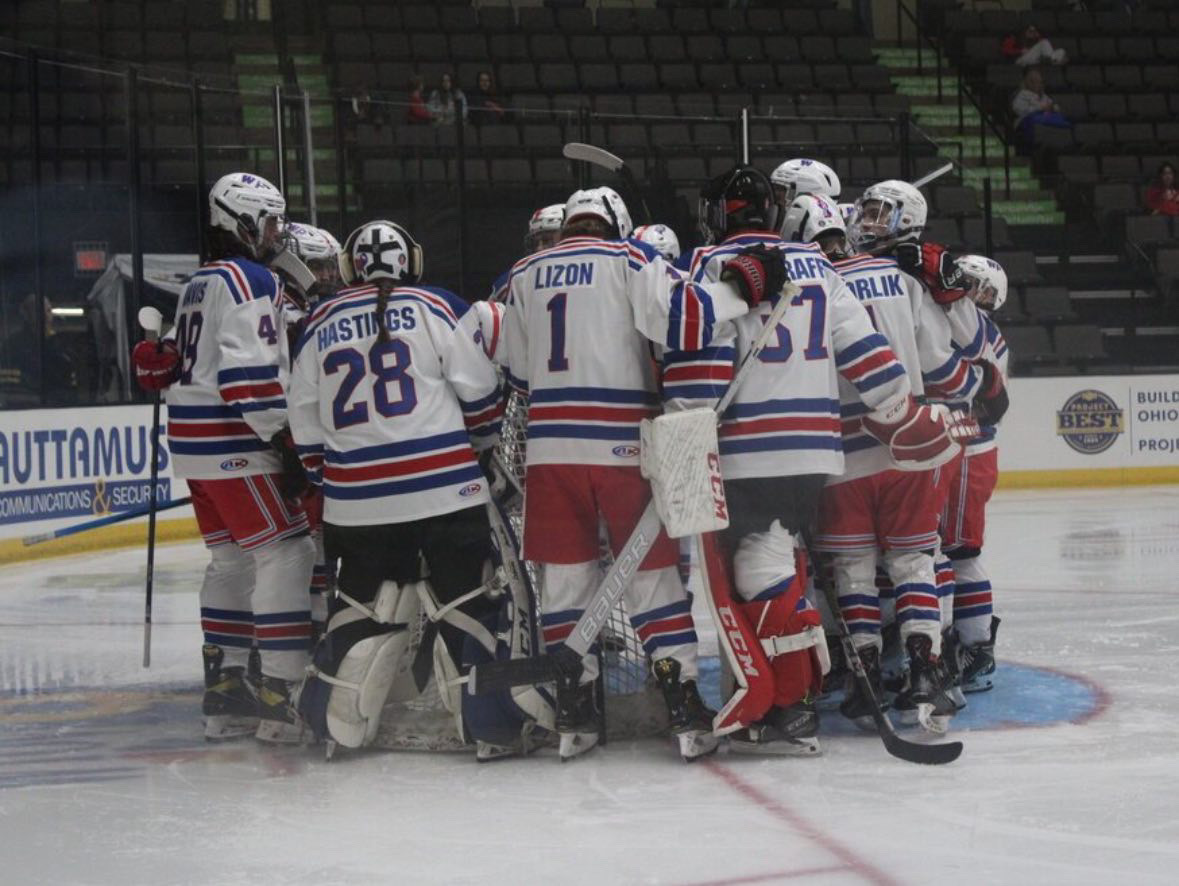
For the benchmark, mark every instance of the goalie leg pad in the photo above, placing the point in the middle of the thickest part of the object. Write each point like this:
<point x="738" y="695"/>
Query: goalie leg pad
<point x="917" y="604"/>
<point x="355" y="665"/>
<point x="679" y="454"/>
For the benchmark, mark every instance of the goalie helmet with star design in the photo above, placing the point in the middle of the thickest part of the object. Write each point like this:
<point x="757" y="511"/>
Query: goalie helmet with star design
<point x="380" y="250"/>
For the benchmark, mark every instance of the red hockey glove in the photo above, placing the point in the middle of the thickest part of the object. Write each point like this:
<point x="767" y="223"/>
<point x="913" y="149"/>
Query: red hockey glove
<point x="916" y="436"/>
<point x="156" y="367"/>
<point x="933" y="264"/>
<point x="293" y="482"/>
<point x="990" y="403"/>
<point x="757" y="271"/>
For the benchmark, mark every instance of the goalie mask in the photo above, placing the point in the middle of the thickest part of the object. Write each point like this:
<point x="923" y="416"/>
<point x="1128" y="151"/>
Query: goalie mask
<point x="380" y="250"/>
<point x="601" y="203"/>
<point x="544" y="228"/>
<point x="802" y="176"/>
<point x="662" y="238"/>
<point x="986" y="281"/>
<point x="251" y="210"/>
<point x="812" y="218"/>
<point x="887" y="213"/>
<point x="740" y="200"/>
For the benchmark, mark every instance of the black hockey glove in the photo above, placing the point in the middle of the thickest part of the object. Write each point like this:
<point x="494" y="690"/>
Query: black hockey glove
<point x="756" y="272"/>
<point x="934" y="265"/>
<point x="990" y="403"/>
<point x="293" y="482"/>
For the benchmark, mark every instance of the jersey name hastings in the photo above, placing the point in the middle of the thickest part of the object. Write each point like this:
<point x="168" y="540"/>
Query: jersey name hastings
<point x="359" y="326"/>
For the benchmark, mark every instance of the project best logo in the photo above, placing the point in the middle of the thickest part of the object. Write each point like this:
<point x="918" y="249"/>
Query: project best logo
<point x="1090" y="422"/>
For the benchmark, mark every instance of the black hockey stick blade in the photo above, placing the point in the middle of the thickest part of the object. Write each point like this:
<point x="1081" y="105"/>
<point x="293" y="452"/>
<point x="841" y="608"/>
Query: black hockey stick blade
<point x="928" y="754"/>
<point x="496" y="676"/>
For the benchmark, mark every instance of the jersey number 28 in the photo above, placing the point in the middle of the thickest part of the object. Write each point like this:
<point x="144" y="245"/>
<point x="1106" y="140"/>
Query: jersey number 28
<point x="389" y="364"/>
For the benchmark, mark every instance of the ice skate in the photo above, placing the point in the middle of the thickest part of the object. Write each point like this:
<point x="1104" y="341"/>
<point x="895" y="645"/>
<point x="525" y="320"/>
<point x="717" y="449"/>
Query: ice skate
<point x="229" y="705"/>
<point x="689" y="718"/>
<point x="976" y="664"/>
<point x="924" y="700"/>
<point x="577" y="719"/>
<point x="531" y="737"/>
<point x="856" y="706"/>
<point x="787" y="732"/>
<point x="279" y="721"/>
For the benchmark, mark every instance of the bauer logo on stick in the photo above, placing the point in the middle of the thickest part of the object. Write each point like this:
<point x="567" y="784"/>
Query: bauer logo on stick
<point x="1090" y="422"/>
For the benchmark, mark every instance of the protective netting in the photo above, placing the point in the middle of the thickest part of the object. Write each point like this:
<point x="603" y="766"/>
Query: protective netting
<point x="634" y="707"/>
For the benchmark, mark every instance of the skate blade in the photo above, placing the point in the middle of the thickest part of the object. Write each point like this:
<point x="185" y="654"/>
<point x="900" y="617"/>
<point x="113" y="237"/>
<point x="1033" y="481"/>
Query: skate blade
<point x="574" y="744"/>
<point x="981" y="684"/>
<point x="799" y="747"/>
<point x="696" y="744"/>
<point x="221" y="727"/>
<point x="486" y="752"/>
<point x="282" y="733"/>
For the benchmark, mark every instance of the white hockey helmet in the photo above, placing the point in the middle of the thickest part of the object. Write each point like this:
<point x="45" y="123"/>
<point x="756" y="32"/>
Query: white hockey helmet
<point x="249" y="208"/>
<point x="813" y="218"/>
<point x="847" y="212"/>
<point x="803" y="176"/>
<point x="986" y="281"/>
<point x="381" y="250"/>
<point x="661" y="237"/>
<point x="887" y="213"/>
<point x="603" y="203"/>
<point x="544" y="227"/>
<point x="313" y="244"/>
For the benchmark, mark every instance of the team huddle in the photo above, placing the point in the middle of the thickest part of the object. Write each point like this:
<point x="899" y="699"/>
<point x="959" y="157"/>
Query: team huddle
<point x="337" y="421"/>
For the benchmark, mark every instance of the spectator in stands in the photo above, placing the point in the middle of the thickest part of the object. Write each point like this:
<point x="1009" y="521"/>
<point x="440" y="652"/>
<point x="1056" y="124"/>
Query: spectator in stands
<point x="1033" y="107"/>
<point x="446" y="101"/>
<point x="1162" y="198"/>
<point x="1032" y="48"/>
<point x="486" y="105"/>
<point x="417" y="112"/>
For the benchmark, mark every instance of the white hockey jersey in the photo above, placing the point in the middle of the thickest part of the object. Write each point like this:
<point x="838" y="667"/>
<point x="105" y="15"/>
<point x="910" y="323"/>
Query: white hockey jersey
<point x="583" y="320"/>
<point x="484" y="322"/>
<point x="391" y="428"/>
<point x="230" y="399"/>
<point x="785" y="419"/>
<point x="993" y="349"/>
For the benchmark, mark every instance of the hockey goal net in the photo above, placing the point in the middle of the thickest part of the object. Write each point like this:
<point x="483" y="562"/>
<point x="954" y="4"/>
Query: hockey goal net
<point x="632" y="704"/>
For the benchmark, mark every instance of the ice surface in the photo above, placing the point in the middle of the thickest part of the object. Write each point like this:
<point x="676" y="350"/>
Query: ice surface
<point x="1066" y="778"/>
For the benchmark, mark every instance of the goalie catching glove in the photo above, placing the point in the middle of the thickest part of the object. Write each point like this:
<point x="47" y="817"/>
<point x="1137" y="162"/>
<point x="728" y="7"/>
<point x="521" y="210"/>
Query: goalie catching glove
<point x="756" y="273"/>
<point x="919" y="438"/>
<point x="935" y="266"/>
<point x="157" y="364"/>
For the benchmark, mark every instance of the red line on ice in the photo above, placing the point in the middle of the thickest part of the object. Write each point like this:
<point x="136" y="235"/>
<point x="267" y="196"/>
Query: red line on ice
<point x="805" y="828"/>
<point x="771" y="876"/>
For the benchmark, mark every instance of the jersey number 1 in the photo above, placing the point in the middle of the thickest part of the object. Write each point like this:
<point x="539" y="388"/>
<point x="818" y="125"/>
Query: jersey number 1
<point x="558" y="362"/>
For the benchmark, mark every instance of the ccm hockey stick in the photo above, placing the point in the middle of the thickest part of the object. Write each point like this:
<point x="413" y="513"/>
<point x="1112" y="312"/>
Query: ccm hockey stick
<point x="601" y="157"/>
<point x="499" y="675"/>
<point x="30" y="540"/>
<point x="913" y="752"/>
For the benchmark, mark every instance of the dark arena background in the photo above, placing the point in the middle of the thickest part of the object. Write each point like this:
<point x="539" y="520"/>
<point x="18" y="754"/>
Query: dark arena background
<point x="1058" y="121"/>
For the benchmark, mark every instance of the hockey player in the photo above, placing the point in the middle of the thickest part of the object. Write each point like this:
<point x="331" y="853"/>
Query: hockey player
<point x="971" y="486"/>
<point x="872" y="505"/>
<point x="800" y="176"/>
<point x="225" y="378"/>
<point x="580" y="322"/>
<point x="780" y="441"/>
<point x="662" y="239"/>
<point x="391" y="403"/>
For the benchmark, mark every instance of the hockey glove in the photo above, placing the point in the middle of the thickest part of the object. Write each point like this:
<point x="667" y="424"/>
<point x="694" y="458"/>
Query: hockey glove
<point x="933" y="264"/>
<point x="293" y="482"/>
<point x="917" y="437"/>
<point x="990" y="403"/>
<point x="157" y="365"/>
<point x="756" y="272"/>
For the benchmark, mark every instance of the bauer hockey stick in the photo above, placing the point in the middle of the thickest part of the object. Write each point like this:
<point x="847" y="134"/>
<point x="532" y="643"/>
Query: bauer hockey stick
<point x="151" y="320"/>
<point x="601" y="157"/>
<point x="499" y="675"/>
<point x="30" y="540"/>
<point x="913" y="752"/>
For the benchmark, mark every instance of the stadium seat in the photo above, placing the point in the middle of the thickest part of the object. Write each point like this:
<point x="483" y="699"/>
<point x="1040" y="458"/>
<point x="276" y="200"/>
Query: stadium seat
<point x="1048" y="304"/>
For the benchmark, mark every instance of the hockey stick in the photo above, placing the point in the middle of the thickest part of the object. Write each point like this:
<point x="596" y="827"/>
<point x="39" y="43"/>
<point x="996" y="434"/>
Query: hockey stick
<point x="151" y="320"/>
<point x="913" y="752"/>
<point x="500" y="675"/>
<point x="601" y="157"/>
<point x="30" y="540"/>
<point x="933" y="176"/>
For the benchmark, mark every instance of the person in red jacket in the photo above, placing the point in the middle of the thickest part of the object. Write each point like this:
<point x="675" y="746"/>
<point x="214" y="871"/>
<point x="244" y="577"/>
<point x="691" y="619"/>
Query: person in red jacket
<point x="1162" y="197"/>
<point x="417" y="112"/>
